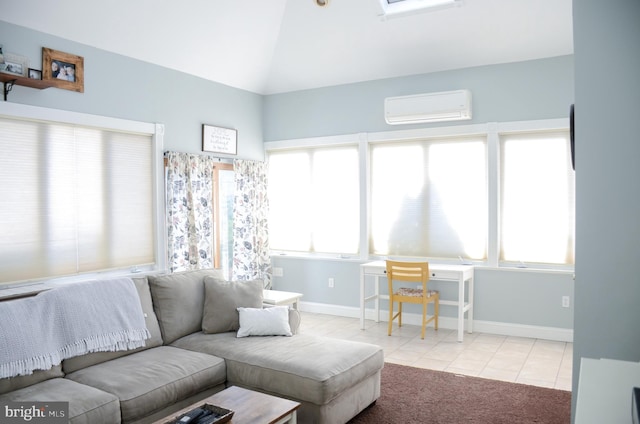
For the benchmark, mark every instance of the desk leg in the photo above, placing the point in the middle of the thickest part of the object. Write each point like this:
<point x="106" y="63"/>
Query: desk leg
<point x="461" y="309"/>
<point x="362" y="299"/>
<point x="470" y="313"/>
<point x="377" y="301"/>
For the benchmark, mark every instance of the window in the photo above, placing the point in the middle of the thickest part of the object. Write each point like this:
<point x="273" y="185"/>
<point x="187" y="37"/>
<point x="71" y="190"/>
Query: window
<point x="76" y="199"/>
<point x="429" y="198"/>
<point x="314" y="198"/>
<point x="494" y="194"/>
<point x="223" y="198"/>
<point x="537" y="198"/>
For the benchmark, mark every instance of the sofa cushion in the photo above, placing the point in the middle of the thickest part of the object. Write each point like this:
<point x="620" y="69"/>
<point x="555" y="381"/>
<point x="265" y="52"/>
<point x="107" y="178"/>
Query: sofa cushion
<point x="303" y="367"/>
<point x="152" y="379"/>
<point x="15" y="383"/>
<point x="272" y="321"/>
<point x="178" y="300"/>
<point x="142" y="286"/>
<point x="221" y="300"/>
<point x="87" y="405"/>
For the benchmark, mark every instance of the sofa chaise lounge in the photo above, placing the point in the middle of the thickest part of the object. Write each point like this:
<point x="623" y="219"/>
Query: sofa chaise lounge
<point x="181" y="364"/>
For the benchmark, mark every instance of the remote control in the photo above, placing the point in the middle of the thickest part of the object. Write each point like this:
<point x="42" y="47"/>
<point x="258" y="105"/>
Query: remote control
<point x="208" y="419"/>
<point x="191" y="416"/>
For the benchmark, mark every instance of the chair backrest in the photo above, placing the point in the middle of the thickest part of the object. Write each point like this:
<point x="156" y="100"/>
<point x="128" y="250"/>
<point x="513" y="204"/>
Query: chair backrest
<point x="415" y="272"/>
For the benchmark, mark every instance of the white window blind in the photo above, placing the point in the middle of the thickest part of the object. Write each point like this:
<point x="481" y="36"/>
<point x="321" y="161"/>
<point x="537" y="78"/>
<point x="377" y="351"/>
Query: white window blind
<point x="429" y="198"/>
<point x="537" y="207"/>
<point x="74" y="200"/>
<point x="314" y="198"/>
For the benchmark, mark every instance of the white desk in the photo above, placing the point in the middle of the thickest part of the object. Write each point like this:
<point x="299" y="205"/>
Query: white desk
<point x="453" y="273"/>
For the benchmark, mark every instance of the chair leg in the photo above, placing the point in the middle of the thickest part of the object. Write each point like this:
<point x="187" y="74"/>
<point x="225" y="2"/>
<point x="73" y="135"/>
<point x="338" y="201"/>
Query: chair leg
<point x="399" y="314"/>
<point x="390" y="316"/>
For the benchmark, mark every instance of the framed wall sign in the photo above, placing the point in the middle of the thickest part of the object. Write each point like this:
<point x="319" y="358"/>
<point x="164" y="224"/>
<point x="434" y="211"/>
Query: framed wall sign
<point x="219" y="140"/>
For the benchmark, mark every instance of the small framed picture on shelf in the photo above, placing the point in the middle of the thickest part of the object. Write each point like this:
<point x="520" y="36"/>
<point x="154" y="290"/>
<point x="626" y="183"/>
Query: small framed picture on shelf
<point x="64" y="70"/>
<point x="219" y="140"/>
<point x="35" y="74"/>
<point x="15" y="65"/>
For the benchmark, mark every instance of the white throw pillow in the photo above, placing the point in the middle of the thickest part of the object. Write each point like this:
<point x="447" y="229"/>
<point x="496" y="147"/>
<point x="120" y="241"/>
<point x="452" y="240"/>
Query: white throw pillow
<point x="272" y="321"/>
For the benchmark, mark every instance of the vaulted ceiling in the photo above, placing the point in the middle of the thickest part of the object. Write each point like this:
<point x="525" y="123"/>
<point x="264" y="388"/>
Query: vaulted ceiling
<point x="274" y="46"/>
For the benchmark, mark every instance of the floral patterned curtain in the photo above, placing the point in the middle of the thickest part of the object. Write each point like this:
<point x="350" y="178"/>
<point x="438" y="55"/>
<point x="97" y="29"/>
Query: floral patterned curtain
<point x="251" y="258"/>
<point x="189" y="211"/>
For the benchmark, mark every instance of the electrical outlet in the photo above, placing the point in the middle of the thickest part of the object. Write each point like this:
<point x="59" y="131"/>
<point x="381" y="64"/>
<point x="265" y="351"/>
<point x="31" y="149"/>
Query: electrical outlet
<point x="278" y="272"/>
<point x="565" y="301"/>
<point x="331" y="282"/>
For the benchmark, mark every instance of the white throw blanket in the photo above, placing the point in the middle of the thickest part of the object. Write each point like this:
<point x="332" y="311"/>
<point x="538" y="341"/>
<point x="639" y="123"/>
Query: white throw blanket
<point x="37" y="333"/>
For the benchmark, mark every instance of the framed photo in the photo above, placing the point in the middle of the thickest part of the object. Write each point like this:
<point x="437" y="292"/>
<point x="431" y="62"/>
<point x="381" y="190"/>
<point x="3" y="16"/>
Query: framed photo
<point x="219" y="140"/>
<point x="65" y="70"/>
<point x="15" y="65"/>
<point x="35" y="74"/>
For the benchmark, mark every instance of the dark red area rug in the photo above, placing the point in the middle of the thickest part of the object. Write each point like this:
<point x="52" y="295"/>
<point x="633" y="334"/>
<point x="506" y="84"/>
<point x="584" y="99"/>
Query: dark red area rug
<point x="416" y="395"/>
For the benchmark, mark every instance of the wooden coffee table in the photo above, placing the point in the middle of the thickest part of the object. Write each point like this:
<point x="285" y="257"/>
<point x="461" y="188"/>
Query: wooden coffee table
<point x="249" y="407"/>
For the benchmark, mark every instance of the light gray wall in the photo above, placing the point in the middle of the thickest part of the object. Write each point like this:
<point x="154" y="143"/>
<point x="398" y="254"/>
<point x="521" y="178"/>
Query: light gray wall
<point x="607" y="68"/>
<point x="517" y="297"/>
<point x="540" y="89"/>
<point x="121" y="87"/>
<point x="125" y="88"/>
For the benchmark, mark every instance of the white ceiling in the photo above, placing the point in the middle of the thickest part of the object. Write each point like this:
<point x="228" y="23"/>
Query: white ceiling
<point x="274" y="46"/>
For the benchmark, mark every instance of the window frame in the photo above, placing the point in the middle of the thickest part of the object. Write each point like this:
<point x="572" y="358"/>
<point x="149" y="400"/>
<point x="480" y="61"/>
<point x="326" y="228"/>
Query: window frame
<point x="320" y="142"/>
<point x="491" y="130"/>
<point x="428" y="142"/>
<point x="155" y="130"/>
<point x="349" y="140"/>
<point x="526" y="128"/>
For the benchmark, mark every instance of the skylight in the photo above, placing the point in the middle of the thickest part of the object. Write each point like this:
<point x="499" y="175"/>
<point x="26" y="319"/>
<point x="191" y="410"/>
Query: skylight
<point x="396" y="8"/>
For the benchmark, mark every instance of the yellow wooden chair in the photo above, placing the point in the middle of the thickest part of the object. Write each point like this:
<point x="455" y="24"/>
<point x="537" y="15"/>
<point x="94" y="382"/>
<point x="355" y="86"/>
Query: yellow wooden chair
<point x="413" y="272"/>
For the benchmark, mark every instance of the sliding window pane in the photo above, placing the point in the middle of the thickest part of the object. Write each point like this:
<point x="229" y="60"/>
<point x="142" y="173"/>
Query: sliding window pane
<point x="223" y="196"/>
<point x="289" y="197"/>
<point x="336" y="200"/>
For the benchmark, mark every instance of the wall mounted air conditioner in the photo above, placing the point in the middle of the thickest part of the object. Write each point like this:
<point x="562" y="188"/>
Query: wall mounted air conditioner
<point x="429" y="107"/>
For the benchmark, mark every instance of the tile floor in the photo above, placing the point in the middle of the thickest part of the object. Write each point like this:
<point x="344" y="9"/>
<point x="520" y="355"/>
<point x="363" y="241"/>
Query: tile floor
<point x="516" y="359"/>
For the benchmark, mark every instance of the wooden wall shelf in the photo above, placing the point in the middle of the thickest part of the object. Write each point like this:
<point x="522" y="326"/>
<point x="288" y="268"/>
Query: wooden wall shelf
<point x="8" y="81"/>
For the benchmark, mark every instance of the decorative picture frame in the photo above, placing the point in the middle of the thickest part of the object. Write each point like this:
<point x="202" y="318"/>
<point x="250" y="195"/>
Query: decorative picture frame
<point x="219" y="140"/>
<point x="14" y="64"/>
<point x="65" y="70"/>
<point x="35" y="74"/>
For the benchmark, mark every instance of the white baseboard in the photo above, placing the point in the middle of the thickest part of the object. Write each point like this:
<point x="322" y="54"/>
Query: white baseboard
<point x="490" y="327"/>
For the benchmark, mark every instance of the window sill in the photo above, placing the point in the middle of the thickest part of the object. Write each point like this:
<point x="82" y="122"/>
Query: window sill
<point x="477" y="265"/>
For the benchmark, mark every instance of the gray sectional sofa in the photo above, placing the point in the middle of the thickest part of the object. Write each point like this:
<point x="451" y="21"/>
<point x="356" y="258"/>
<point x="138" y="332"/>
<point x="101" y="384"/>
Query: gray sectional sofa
<point x="180" y="364"/>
